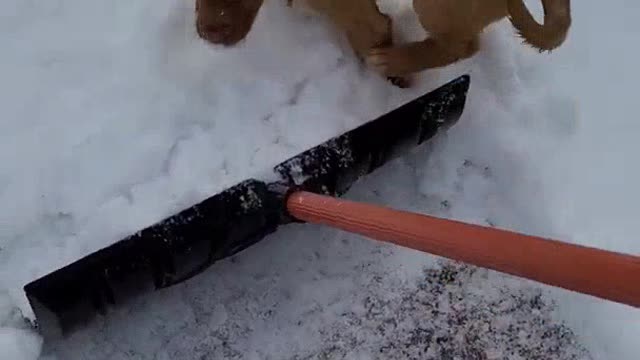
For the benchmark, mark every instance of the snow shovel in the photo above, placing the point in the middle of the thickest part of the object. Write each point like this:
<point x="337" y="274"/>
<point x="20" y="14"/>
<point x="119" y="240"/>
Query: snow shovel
<point x="304" y="189"/>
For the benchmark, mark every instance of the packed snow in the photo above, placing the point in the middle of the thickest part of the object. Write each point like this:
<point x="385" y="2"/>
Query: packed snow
<point x="115" y="115"/>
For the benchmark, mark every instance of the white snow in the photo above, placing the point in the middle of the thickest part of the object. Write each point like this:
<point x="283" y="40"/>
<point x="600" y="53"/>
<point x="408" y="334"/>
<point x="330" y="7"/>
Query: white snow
<point x="114" y="115"/>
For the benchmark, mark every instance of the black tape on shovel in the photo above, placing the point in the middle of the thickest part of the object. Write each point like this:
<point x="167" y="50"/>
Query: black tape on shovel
<point x="185" y="244"/>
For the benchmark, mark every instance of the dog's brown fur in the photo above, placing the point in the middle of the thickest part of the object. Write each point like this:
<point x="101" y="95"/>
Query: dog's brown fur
<point x="226" y="22"/>
<point x="454" y="27"/>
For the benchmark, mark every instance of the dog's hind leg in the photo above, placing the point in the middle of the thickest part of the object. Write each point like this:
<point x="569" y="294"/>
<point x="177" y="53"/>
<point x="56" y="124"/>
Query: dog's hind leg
<point x="375" y="32"/>
<point x="364" y="26"/>
<point x="417" y="56"/>
<point x="453" y="27"/>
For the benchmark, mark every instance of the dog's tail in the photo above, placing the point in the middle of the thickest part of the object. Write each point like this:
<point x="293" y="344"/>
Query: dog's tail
<point x="550" y="35"/>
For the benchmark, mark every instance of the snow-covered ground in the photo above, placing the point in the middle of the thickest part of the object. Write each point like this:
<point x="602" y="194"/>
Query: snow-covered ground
<point x="114" y="115"/>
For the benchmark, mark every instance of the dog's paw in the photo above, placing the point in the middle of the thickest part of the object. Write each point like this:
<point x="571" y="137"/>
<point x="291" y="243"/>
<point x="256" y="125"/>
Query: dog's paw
<point x="389" y="62"/>
<point x="403" y="82"/>
<point x="378" y="60"/>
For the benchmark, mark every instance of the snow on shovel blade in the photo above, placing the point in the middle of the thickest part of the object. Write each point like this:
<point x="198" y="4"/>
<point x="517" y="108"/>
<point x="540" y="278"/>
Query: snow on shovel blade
<point x="185" y="244"/>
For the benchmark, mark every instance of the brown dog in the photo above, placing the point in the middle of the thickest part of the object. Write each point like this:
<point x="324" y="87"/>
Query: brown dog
<point x="226" y="22"/>
<point x="454" y="26"/>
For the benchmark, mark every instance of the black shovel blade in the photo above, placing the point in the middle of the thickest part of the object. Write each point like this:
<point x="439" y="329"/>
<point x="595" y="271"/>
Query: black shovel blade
<point x="186" y="243"/>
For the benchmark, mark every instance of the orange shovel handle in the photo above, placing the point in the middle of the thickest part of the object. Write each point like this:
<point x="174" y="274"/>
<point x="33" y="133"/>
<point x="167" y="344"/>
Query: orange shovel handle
<point x="604" y="274"/>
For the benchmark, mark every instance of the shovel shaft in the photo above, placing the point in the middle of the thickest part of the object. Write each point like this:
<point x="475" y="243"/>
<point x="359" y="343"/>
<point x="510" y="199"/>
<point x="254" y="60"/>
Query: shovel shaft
<point x="604" y="274"/>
